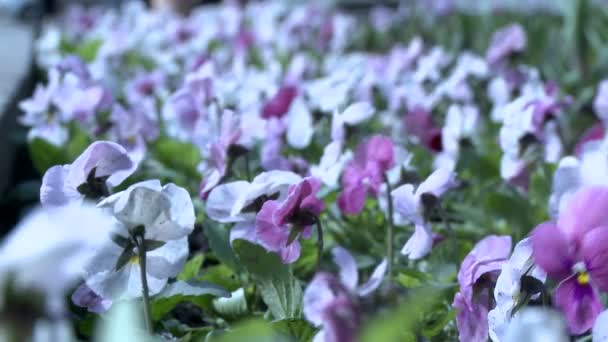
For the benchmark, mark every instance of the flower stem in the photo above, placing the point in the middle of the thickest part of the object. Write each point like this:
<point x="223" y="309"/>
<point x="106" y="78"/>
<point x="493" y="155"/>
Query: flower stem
<point x="390" y="234"/>
<point x="141" y="249"/>
<point x="319" y="242"/>
<point x="247" y="170"/>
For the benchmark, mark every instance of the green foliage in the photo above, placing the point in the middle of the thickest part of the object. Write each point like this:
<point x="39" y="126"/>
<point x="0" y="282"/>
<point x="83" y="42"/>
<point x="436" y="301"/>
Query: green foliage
<point x="280" y="290"/>
<point x="296" y="330"/>
<point x="182" y="291"/>
<point x="191" y="268"/>
<point x="46" y="155"/>
<point x="179" y="157"/>
<point x="219" y="241"/>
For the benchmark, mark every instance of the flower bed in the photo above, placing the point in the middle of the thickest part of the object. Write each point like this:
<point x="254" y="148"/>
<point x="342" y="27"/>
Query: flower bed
<point x="278" y="172"/>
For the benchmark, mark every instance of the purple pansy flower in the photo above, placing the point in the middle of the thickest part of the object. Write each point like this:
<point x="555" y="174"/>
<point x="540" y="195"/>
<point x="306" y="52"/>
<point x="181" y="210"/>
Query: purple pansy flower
<point x="364" y="174"/>
<point x="279" y="104"/>
<point x="410" y="207"/>
<point x="215" y="170"/>
<point x="482" y="264"/>
<point x="145" y="87"/>
<point x="506" y="41"/>
<point x="300" y="209"/>
<point x="331" y="302"/>
<point x="419" y="123"/>
<point x="595" y="133"/>
<point x="86" y="298"/>
<point x="573" y="252"/>
<point x="103" y="164"/>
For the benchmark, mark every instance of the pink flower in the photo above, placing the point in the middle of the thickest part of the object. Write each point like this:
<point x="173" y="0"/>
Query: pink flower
<point x="596" y="132"/>
<point x="363" y="175"/>
<point x="573" y="252"/>
<point x="279" y="224"/>
<point x="279" y="105"/>
<point x="419" y="123"/>
<point x="481" y="265"/>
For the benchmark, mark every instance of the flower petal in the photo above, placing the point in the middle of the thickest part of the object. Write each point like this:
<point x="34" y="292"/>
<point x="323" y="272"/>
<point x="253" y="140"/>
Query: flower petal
<point x="594" y="252"/>
<point x="580" y="304"/>
<point x="437" y="183"/>
<point x="374" y="280"/>
<point x="357" y="112"/>
<point x="272" y="236"/>
<point x="221" y="200"/>
<point x="406" y="203"/>
<point x="167" y="260"/>
<point x="317" y="296"/>
<point x="54" y="190"/>
<point x="550" y="250"/>
<point x="244" y="231"/>
<point x="600" y="328"/>
<point x="585" y="211"/>
<point x="347" y="267"/>
<point x="420" y="243"/>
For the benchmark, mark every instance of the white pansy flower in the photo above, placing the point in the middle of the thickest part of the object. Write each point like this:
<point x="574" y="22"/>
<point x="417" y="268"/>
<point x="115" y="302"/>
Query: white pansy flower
<point x="166" y="212"/>
<point x="507" y="291"/>
<point x="51" y="243"/>
<point x="539" y="325"/>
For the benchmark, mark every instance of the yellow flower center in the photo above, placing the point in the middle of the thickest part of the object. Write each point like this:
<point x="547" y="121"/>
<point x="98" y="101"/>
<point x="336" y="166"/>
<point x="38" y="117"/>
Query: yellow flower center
<point x="583" y="278"/>
<point x="134" y="259"/>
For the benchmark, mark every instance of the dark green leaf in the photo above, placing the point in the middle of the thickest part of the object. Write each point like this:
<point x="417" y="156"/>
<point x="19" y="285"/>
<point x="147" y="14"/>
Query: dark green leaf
<point x="219" y="241"/>
<point x="124" y="258"/>
<point x="280" y="290"/>
<point x="192" y="291"/>
<point x="121" y="241"/>
<point x="45" y="155"/>
<point x="153" y="244"/>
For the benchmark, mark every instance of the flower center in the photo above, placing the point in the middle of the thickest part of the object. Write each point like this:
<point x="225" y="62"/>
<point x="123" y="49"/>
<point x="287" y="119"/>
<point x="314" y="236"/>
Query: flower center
<point x="134" y="259"/>
<point x="582" y="276"/>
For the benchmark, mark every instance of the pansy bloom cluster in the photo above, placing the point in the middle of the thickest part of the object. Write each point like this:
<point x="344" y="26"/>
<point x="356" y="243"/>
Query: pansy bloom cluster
<point x="236" y="171"/>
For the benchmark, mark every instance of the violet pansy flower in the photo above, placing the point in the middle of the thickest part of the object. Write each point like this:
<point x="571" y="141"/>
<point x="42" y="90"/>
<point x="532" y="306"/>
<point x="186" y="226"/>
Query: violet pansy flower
<point x="279" y="104"/>
<point x="101" y="166"/>
<point x="573" y="252"/>
<point x="278" y="224"/>
<point x="479" y="267"/>
<point x="364" y="175"/>
<point x="329" y="298"/>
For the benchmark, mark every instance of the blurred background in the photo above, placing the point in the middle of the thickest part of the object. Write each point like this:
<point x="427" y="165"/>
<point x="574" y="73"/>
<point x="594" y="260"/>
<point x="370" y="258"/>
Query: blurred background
<point x="566" y="34"/>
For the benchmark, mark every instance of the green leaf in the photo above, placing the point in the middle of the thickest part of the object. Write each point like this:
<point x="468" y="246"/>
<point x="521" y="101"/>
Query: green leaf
<point x="180" y="156"/>
<point x="88" y="50"/>
<point x="308" y="258"/>
<point x="297" y="329"/>
<point x="45" y="155"/>
<point x="192" y="288"/>
<point x="219" y="241"/>
<point x="79" y="141"/>
<point x="233" y="307"/>
<point x="280" y="290"/>
<point x="153" y="244"/>
<point x="399" y="324"/>
<point x="250" y="331"/>
<point x="124" y="258"/>
<point x="412" y="278"/>
<point x="191" y="268"/>
<point x="182" y="291"/>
